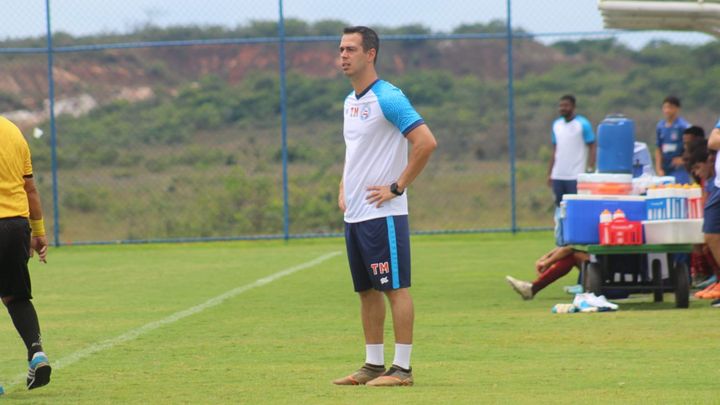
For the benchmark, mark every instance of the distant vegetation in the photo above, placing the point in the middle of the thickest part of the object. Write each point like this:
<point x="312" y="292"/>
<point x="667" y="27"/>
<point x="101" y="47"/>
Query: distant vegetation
<point x="208" y="151"/>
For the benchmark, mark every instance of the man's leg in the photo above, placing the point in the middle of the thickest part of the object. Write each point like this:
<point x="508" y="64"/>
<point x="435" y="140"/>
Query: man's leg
<point x="713" y="243"/>
<point x="16" y="295"/>
<point x="558" y="191"/>
<point x="22" y="312"/>
<point x="557" y="270"/>
<point x="23" y="315"/>
<point x="403" y="314"/>
<point x="372" y="312"/>
<point x="401" y="304"/>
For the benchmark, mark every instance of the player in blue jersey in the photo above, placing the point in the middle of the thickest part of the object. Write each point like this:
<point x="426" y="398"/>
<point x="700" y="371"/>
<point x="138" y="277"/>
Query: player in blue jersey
<point x="379" y="121"/>
<point x="669" y="142"/>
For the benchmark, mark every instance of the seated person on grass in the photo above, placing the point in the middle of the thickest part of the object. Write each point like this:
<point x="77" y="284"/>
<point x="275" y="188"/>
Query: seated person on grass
<point x="550" y="267"/>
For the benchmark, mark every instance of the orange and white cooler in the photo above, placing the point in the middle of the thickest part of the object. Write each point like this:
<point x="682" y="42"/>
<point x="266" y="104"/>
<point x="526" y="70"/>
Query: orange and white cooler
<point x="604" y="184"/>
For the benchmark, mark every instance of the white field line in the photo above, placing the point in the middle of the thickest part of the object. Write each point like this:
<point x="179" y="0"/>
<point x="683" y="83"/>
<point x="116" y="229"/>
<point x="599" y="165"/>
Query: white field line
<point x="134" y="333"/>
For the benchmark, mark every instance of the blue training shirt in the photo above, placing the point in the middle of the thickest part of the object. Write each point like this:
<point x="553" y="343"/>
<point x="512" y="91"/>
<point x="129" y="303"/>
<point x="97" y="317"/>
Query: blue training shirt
<point x="669" y="140"/>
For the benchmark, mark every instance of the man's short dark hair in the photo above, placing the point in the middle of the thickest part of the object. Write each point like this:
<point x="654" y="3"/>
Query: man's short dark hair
<point x="696" y="152"/>
<point x="568" y="97"/>
<point x="672" y="100"/>
<point x="695" y="131"/>
<point x="370" y="38"/>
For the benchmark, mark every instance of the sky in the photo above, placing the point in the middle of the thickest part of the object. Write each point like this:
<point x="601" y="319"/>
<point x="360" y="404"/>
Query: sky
<point x="79" y="17"/>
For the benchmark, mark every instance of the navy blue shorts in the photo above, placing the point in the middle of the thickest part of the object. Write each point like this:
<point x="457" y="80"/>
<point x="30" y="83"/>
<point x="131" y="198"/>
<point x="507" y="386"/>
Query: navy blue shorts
<point x="562" y="187"/>
<point x="711" y="222"/>
<point x="379" y="253"/>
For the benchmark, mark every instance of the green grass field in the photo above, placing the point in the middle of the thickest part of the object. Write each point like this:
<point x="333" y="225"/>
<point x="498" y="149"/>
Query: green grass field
<point x="283" y="339"/>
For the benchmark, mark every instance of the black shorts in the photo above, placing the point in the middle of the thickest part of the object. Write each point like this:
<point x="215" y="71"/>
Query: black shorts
<point x="14" y="256"/>
<point x="379" y="253"/>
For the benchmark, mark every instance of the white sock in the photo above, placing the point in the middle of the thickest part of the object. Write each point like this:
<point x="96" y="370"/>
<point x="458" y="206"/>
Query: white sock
<point x="402" y="355"/>
<point x="375" y="354"/>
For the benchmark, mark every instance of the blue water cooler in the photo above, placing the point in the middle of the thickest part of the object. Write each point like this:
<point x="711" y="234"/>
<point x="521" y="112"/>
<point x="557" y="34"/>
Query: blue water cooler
<point x="616" y="143"/>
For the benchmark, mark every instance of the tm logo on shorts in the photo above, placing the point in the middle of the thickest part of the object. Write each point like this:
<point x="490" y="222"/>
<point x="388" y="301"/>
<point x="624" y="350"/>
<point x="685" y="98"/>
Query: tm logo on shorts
<point x="382" y="268"/>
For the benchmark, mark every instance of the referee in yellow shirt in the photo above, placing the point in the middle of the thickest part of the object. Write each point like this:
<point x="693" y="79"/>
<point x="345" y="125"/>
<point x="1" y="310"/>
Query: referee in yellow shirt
<point x="21" y="232"/>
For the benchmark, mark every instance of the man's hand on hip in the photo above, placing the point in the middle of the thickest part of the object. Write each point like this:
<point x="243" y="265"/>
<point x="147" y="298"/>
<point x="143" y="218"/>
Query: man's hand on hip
<point x="379" y="194"/>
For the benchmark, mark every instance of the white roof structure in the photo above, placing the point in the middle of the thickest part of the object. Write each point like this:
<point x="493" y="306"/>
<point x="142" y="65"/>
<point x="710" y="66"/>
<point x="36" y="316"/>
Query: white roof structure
<point x="693" y="15"/>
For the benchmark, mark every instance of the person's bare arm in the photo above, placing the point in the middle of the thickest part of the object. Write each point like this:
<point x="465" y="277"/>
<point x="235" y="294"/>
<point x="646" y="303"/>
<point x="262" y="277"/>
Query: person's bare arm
<point x="38" y="242"/>
<point x="341" y="196"/>
<point x="714" y="139"/>
<point x="550" y="166"/>
<point x="591" y="156"/>
<point x="423" y="144"/>
<point x="556" y="254"/>
<point x="658" y="162"/>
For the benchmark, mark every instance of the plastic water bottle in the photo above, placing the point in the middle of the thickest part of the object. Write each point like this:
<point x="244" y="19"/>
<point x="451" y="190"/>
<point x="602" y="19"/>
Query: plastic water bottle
<point x="679" y="201"/>
<point x="651" y="195"/>
<point x="618" y="214"/>
<point x="685" y="203"/>
<point x="605" y="218"/>
<point x="695" y="208"/>
<point x="663" y="194"/>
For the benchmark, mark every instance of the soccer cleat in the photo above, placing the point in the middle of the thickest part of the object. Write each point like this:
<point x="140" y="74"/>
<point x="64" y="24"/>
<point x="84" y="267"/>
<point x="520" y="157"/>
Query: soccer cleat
<point x="394" y="377"/>
<point x="715" y="304"/>
<point x="521" y="287"/>
<point x="39" y="371"/>
<point x="366" y="373"/>
<point x="711" y="280"/>
<point x="701" y="294"/>
<point x="712" y="294"/>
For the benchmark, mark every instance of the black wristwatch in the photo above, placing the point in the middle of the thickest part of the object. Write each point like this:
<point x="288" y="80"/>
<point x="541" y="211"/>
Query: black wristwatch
<point x="394" y="189"/>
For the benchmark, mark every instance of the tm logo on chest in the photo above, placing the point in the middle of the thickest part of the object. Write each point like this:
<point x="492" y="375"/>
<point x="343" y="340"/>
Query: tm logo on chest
<point x="382" y="268"/>
<point x="359" y="111"/>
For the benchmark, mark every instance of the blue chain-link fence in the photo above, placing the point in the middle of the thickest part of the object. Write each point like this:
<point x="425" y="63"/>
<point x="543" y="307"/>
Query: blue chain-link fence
<point x="154" y="120"/>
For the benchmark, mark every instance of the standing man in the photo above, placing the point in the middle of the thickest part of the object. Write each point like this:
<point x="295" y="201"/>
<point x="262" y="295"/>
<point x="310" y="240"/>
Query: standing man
<point x="573" y="149"/>
<point x="379" y="121"/>
<point x="669" y="135"/>
<point x="21" y="232"/>
<point x="711" y="220"/>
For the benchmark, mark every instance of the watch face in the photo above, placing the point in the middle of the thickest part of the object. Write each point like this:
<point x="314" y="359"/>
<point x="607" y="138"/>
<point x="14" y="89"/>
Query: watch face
<point x="394" y="189"/>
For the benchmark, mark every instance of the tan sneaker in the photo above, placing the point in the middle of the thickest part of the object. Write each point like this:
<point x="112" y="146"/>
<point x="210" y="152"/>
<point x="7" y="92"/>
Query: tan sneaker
<point x="366" y="373"/>
<point x="394" y="377"/>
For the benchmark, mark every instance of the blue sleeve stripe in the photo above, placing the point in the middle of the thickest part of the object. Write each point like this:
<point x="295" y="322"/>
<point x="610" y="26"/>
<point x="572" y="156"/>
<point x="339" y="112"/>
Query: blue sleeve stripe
<point x="588" y="134"/>
<point x="392" y="241"/>
<point x="413" y="126"/>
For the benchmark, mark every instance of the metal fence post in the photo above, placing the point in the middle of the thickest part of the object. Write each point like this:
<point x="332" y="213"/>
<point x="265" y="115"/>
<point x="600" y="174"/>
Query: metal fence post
<point x="283" y="113"/>
<point x="511" y="116"/>
<point x="53" y="131"/>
